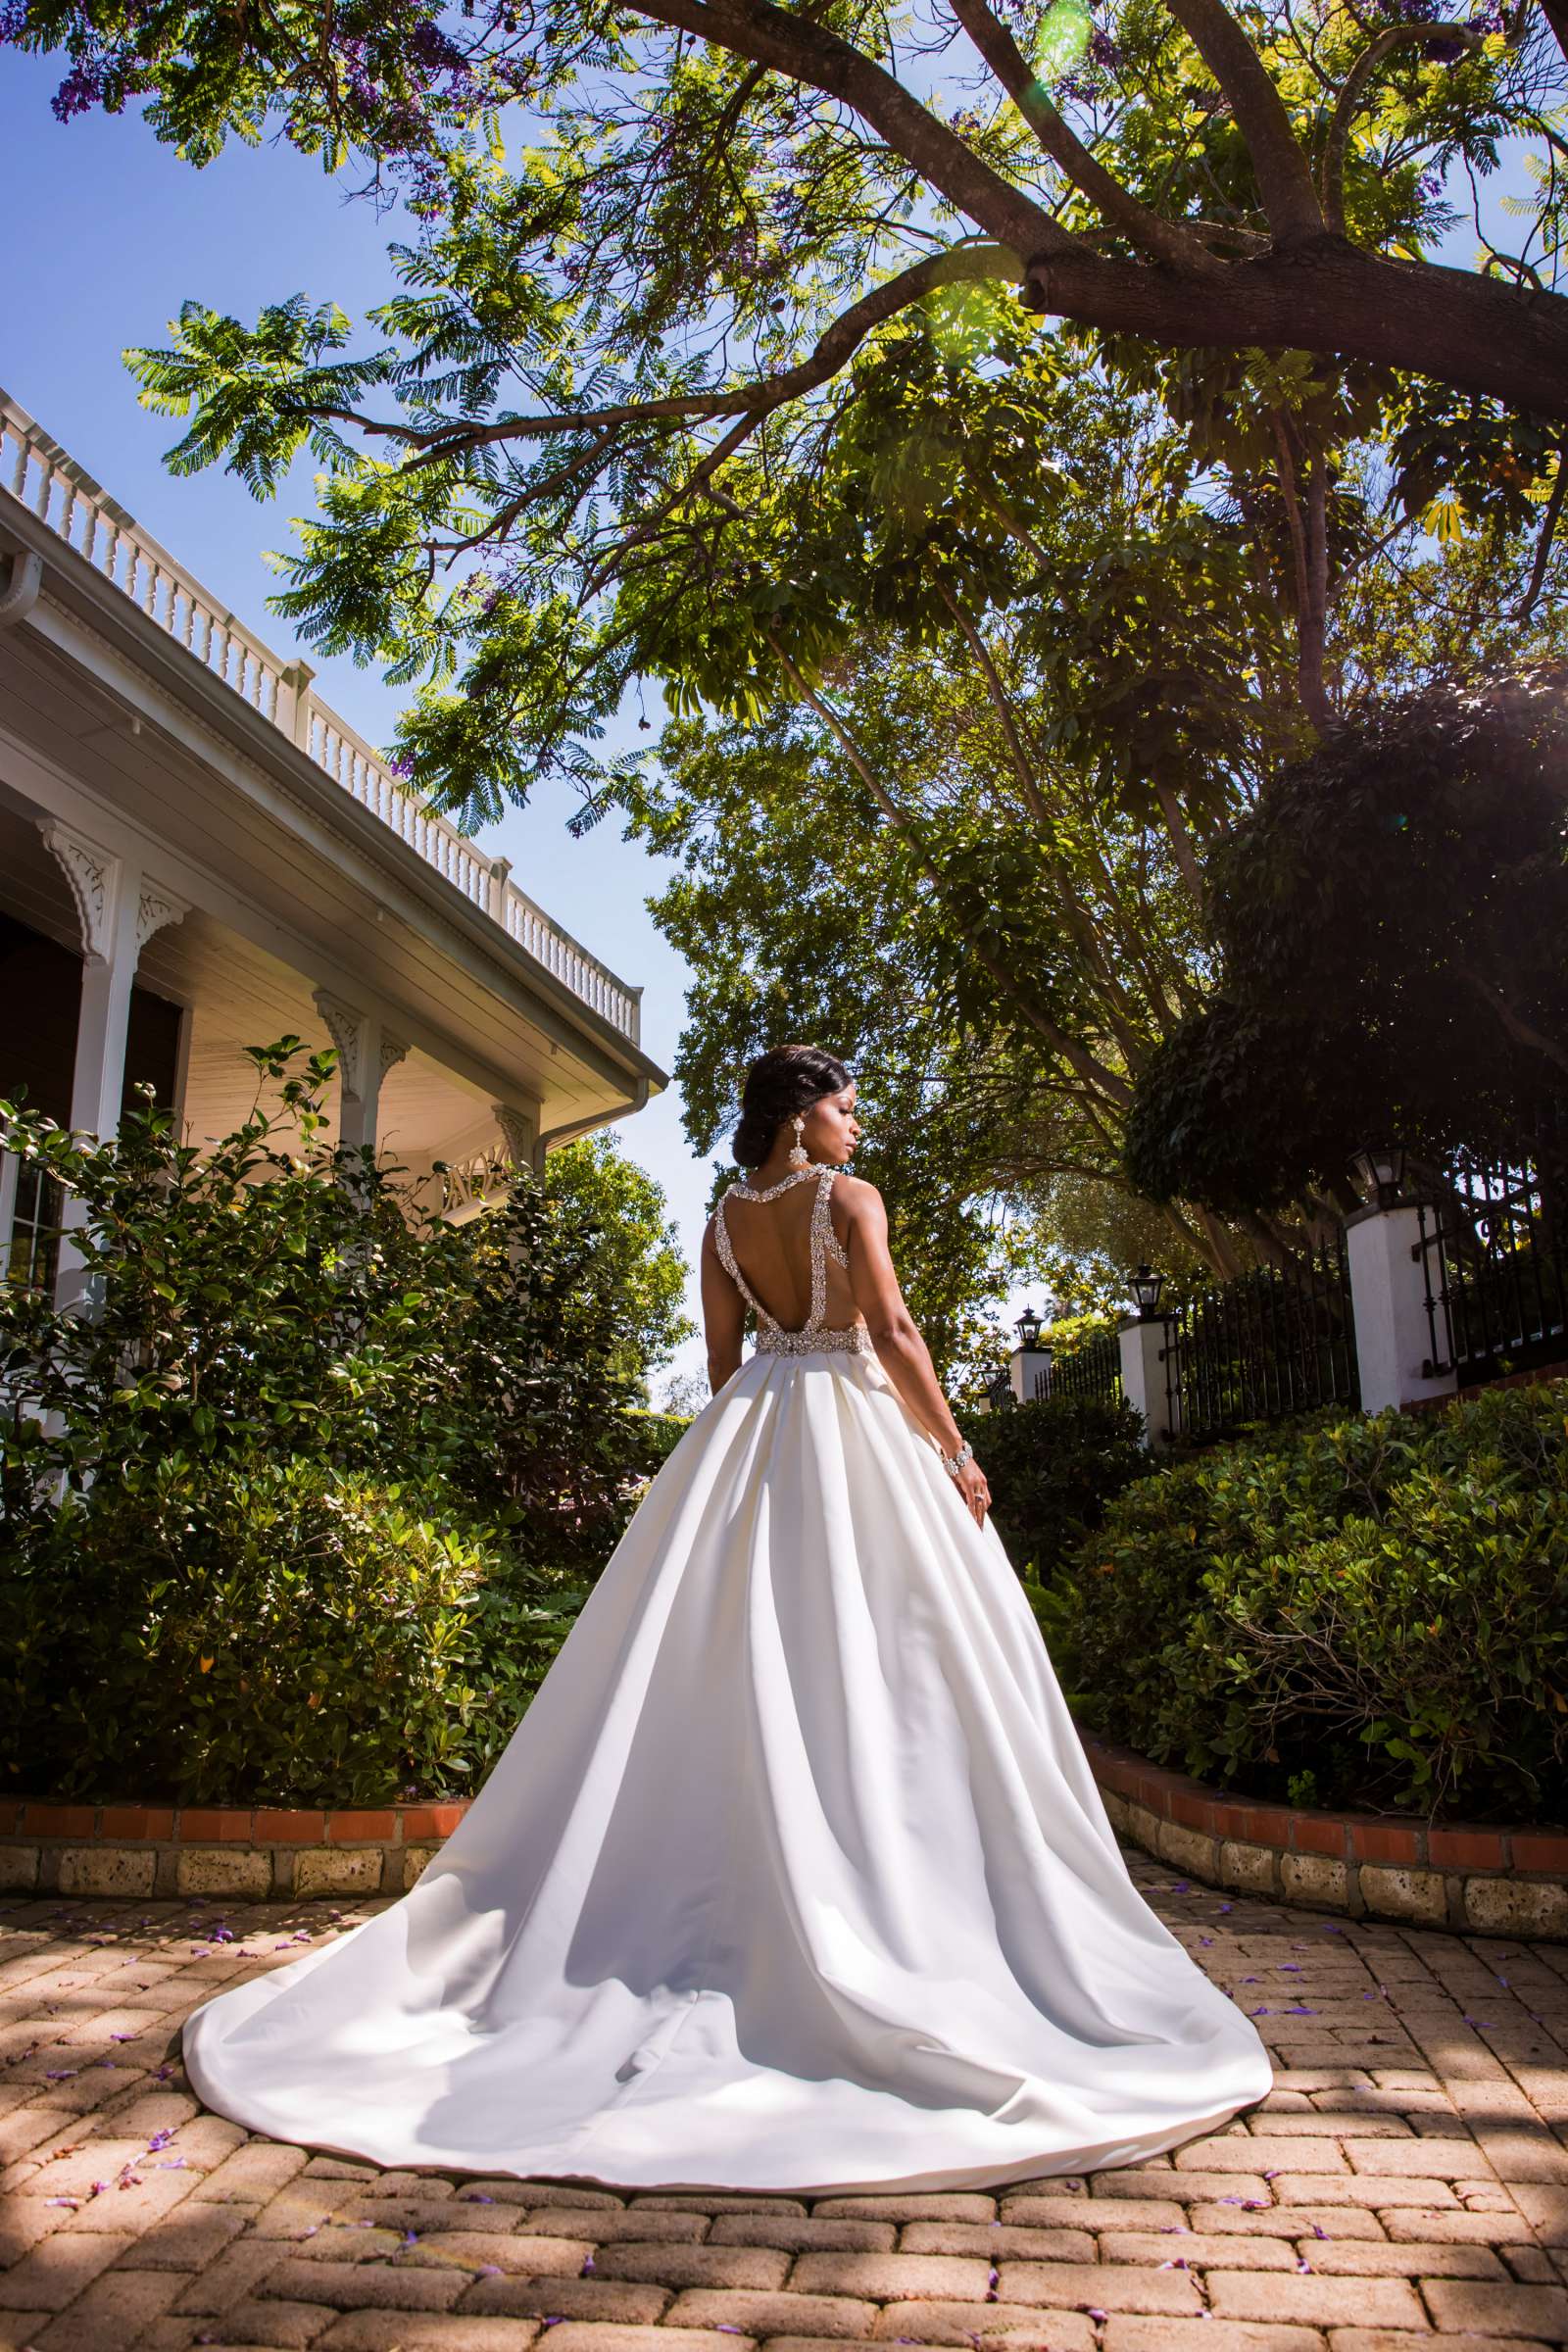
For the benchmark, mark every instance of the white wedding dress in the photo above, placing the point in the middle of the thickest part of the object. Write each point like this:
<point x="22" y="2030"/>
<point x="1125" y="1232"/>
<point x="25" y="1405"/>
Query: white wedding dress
<point x="794" y="1875"/>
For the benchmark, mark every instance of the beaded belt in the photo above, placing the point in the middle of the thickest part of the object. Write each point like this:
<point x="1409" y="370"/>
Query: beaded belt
<point x="849" y="1339"/>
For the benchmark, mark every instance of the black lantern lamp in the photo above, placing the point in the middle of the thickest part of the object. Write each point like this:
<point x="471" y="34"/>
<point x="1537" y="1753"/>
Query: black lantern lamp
<point x="1379" y="1173"/>
<point x="1028" y="1328"/>
<point x="1147" y="1286"/>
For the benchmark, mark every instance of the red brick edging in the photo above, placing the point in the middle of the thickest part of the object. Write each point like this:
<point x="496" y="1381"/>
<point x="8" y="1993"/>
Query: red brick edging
<point x="217" y="1849"/>
<point x="1488" y="1882"/>
<point x="1482" y="1881"/>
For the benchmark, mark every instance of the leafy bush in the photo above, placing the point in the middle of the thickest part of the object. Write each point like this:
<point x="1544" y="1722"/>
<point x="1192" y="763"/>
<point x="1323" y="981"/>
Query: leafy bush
<point x="276" y="1295"/>
<point x="1381" y="1604"/>
<point x="285" y="1631"/>
<point x="1052" y="1464"/>
<point x="357" y="1455"/>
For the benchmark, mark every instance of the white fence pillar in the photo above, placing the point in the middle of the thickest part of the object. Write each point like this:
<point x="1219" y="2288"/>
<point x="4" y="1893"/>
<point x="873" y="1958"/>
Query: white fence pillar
<point x="1393" y="1335"/>
<point x="1029" y="1373"/>
<point x="1142" y="1375"/>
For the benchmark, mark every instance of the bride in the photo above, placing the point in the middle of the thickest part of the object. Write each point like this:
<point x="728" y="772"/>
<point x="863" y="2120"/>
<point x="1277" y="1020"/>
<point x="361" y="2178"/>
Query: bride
<point x="794" y="1875"/>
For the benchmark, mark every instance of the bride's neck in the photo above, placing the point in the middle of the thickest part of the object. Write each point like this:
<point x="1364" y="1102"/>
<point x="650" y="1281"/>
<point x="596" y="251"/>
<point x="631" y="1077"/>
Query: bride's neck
<point x="774" y="1172"/>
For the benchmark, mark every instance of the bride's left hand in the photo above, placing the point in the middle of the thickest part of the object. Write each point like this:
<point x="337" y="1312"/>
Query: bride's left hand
<point x="971" y="1485"/>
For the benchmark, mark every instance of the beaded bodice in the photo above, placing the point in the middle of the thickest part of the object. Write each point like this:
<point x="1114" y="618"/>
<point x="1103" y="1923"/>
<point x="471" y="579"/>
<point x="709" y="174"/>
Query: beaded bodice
<point x="772" y="1339"/>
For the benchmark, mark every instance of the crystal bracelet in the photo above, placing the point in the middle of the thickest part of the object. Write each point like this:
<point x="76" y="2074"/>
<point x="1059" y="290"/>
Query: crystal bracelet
<point x="952" y="1464"/>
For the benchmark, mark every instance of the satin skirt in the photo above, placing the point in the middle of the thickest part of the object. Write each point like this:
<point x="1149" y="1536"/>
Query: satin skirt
<point x="793" y="1876"/>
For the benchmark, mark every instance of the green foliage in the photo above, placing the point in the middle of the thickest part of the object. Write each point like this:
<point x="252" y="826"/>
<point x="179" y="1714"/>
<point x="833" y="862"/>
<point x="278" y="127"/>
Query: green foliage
<point x="300" y="1407"/>
<point x="1376" y="1607"/>
<point x="627" y="345"/>
<point x="636" y="1256"/>
<point x="277" y="1292"/>
<point x="369" y="76"/>
<point x="1054" y="1464"/>
<point x="1392" y="925"/>
<point x="278" y="1630"/>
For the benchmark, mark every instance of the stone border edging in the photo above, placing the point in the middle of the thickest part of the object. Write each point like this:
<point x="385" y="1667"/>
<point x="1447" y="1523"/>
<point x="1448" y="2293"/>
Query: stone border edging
<point x="1480" y="1882"/>
<point x="243" y="1850"/>
<point x="1511" y="1882"/>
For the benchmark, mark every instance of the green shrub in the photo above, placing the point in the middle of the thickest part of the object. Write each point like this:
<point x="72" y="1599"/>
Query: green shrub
<point x="360" y="1458"/>
<point x="284" y="1631"/>
<point x="1052" y="1464"/>
<point x="276" y="1295"/>
<point x="1373" y="1608"/>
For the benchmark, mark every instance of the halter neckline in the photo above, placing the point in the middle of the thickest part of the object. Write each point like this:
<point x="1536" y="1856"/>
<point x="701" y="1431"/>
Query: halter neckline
<point x="748" y="1192"/>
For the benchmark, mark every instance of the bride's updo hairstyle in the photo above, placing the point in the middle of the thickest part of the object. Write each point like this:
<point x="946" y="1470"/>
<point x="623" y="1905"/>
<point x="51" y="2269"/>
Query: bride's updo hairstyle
<point x="777" y="1086"/>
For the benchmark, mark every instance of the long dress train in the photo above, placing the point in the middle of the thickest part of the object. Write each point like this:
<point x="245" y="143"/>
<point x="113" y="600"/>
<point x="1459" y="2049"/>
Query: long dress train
<point x="793" y="1876"/>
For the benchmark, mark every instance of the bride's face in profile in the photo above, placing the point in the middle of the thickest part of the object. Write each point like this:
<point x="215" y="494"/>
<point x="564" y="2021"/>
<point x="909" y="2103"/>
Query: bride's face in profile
<point x="831" y="1129"/>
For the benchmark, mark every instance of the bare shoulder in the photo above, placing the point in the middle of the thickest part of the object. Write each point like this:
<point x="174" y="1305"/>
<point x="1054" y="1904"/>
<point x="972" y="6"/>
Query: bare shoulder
<point x="860" y="1200"/>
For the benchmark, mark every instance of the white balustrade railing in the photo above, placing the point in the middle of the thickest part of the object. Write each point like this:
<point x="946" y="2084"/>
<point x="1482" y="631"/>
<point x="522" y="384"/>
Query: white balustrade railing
<point x="41" y="475"/>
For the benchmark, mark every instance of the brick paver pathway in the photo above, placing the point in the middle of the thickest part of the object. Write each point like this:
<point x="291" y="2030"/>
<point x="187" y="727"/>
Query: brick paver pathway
<point x="1405" y="2186"/>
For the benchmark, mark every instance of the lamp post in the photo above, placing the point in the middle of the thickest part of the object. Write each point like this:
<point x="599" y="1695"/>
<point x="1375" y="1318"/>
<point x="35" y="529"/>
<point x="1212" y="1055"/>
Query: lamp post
<point x="1147" y="1286"/>
<point x="1377" y="1170"/>
<point x="1029" y="1370"/>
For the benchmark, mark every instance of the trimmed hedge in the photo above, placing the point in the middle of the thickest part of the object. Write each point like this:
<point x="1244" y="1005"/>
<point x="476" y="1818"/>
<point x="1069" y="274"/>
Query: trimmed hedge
<point x="302" y="1509"/>
<point x="281" y="1631"/>
<point x="1346" y="1611"/>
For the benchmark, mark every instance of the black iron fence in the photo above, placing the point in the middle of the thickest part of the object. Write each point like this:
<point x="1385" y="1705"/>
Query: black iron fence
<point x="1494" y="1251"/>
<point x="1277" y="1340"/>
<point x="1092" y="1370"/>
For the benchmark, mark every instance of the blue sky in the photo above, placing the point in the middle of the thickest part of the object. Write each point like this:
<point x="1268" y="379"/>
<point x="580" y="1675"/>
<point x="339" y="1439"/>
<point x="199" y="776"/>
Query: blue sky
<point x="119" y="234"/>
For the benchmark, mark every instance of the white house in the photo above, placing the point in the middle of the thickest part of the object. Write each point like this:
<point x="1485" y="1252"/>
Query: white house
<point x="198" y="855"/>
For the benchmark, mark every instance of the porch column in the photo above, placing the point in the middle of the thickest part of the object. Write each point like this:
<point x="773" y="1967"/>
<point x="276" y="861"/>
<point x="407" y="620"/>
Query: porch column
<point x="118" y="907"/>
<point x="366" y="1049"/>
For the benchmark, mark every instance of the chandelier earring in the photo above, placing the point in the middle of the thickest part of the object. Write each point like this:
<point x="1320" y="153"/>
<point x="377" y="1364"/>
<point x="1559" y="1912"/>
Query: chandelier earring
<point x="799" y="1157"/>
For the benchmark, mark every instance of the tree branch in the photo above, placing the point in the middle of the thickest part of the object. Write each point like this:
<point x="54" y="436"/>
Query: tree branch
<point x="1309" y="548"/>
<point x="1167" y="241"/>
<point x="1281" y="170"/>
<point x="806" y="52"/>
<point x="976" y="259"/>
<point x="1523" y="1032"/>
<point x="1548" y="532"/>
<point x="1330" y="177"/>
<point x="1181" y="840"/>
